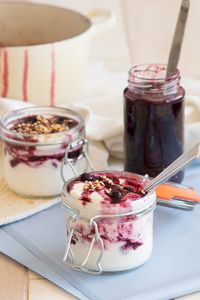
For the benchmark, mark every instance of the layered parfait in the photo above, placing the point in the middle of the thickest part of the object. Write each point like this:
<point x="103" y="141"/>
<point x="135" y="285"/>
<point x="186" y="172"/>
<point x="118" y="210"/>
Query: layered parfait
<point x="34" y="145"/>
<point x="124" y="216"/>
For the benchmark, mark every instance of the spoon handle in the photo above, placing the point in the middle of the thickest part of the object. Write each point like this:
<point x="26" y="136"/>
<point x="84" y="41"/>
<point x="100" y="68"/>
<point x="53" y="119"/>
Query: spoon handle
<point x="176" y="166"/>
<point x="175" y="204"/>
<point x="178" y="38"/>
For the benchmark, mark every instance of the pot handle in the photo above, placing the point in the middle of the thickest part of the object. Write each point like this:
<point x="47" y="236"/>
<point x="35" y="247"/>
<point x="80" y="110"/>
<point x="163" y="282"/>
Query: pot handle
<point x="101" y="19"/>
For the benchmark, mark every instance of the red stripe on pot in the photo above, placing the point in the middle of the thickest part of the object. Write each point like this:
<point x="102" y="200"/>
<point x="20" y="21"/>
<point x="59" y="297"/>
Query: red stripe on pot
<point x="0" y="60"/>
<point x="5" y="73"/>
<point x="53" y="78"/>
<point x="25" y="76"/>
<point x="1" y="63"/>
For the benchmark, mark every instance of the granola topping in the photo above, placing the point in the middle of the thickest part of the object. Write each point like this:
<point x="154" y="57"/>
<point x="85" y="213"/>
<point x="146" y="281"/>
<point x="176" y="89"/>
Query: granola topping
<point x="95" y="185"/>
<point x="39" y="124"/>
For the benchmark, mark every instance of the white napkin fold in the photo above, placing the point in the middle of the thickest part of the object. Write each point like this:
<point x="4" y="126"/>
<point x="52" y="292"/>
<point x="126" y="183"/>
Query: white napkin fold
<point x="192" y="112"/>
<point x="14" y="208"/>
<point x="102" y="106"/>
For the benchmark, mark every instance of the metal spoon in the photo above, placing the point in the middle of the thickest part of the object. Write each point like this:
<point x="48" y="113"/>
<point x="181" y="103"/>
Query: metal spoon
<point x="179" y="203"/>
<point x="176" y="166"/>
<point x="178" y="38"/>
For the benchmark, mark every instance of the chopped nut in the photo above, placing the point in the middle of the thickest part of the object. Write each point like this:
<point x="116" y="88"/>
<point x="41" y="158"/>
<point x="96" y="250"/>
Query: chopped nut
<point x="93" y="185"/>
<point x="42" y="125"/>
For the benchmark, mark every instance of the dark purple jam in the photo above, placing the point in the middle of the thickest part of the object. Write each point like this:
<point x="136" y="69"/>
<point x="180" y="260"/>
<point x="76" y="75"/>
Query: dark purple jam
<point x="153" y="136"/>
<point x="27" y="156"/>
<point x="30" y="157"/>
<point x="130" y="245"/>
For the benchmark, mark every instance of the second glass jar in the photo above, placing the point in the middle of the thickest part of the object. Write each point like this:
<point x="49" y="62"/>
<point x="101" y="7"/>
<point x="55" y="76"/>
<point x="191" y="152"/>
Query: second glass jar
<point x="32" y="162"/>
<point x="154" y="120"/>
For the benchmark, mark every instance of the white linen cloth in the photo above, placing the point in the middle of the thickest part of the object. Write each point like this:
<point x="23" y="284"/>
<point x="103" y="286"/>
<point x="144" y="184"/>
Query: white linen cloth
<point x="102" y="109"/>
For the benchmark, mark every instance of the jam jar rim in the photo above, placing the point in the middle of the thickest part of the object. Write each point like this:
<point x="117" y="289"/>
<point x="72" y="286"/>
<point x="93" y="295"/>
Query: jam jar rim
<point x="92" y="205"/>
<point x="17" y="138"/>
<point x="174" y="75"/>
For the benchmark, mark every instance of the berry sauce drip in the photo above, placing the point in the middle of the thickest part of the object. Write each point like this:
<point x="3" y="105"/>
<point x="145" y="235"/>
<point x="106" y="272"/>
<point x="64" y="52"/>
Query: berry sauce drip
<point x="121" y="233"/>
<point x="113" y="189"/>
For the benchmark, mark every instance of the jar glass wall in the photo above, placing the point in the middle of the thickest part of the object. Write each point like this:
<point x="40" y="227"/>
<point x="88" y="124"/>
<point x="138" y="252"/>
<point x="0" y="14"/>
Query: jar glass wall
<point x="32" y="162"/>
<point x="120" y="235"/>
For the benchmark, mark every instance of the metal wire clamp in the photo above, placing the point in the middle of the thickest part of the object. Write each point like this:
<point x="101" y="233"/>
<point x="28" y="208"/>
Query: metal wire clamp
<point x="79" y="143"/>
<point x="74" y="216"/>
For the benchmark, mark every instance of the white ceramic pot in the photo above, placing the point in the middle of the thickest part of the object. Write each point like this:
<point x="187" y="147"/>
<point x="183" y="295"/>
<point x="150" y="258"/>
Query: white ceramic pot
<point x="44" y="51"/>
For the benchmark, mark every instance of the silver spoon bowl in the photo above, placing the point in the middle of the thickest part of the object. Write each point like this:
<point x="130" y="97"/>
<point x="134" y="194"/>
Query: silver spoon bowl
<point x="175" y="167"/>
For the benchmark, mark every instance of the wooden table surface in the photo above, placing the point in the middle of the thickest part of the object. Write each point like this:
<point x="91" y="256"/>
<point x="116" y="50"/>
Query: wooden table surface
<point x="141" y="25"/>
<point x="19" y="283"/>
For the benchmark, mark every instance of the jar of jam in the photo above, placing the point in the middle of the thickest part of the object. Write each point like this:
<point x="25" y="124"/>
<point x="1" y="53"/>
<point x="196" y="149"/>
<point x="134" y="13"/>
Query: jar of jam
<point x="154" y="120"/>
<point x="35" y="143"/>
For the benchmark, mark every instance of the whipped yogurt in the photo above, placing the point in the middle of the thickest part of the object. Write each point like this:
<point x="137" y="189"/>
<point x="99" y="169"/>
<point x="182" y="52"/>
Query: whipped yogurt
<point x="124" y="217"/>
<point x="34" y="144"/>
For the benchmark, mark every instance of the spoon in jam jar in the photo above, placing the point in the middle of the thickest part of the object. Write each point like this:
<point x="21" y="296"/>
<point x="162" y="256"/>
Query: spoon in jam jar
<point x="178" y="38"/>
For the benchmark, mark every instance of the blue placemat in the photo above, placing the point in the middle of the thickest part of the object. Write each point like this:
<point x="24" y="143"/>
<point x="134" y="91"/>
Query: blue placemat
<point x="173" y="269"/>
<point x="12" y="248"/>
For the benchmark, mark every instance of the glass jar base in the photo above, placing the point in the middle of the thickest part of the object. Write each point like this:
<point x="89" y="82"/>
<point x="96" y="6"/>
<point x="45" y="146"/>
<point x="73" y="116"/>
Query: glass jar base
<point x="35" y="197"/>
